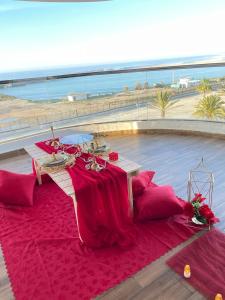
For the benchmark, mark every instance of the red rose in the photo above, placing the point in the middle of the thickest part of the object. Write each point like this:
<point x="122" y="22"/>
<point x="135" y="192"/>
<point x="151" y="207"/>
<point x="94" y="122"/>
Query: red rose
<point x="214" y="220"/>
<point x="207" y="213"/>
<point x="189" y="210"/>
<point x="199" y="198"/>
<point x="196" y="197"/>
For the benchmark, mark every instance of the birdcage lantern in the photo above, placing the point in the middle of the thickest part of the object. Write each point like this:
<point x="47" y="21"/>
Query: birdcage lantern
<point x="201" y="181"/>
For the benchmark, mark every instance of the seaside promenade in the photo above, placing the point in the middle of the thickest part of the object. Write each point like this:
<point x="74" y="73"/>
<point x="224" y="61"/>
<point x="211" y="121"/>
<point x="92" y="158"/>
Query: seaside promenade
<point x="143" y="111"/>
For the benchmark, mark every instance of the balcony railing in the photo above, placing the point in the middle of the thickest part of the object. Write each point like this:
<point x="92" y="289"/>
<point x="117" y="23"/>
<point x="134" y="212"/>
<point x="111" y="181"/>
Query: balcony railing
<point x="35" y="103"/>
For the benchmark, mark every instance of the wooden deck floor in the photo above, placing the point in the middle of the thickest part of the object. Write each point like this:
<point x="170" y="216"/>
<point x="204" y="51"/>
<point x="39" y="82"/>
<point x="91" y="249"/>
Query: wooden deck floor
<point x="171" y="156"/>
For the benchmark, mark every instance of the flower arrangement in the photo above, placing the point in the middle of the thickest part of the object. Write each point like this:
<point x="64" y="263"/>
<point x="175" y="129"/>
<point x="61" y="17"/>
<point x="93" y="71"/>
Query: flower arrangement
<point x="197" y="210"/>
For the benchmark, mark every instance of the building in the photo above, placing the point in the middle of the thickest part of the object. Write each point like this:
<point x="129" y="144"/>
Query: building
<point x="77" y="96"/>
<point x="187" y="82"/>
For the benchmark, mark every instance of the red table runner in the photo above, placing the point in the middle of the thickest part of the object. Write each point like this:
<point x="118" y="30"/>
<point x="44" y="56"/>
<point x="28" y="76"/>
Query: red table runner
<point x="102" y="201"/>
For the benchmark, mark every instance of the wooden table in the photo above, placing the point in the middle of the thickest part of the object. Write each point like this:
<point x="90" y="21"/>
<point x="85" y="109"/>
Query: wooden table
<point x="63" y="179"/>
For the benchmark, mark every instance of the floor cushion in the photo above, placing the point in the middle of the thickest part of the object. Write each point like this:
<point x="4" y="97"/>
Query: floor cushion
<point x="157" y="202"/>
<point x="141" y="182"/>
<point x="16" y="189"/>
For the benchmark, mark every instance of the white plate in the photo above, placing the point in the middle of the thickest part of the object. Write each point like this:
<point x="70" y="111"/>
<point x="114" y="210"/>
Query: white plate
<point x="51" y="161"/>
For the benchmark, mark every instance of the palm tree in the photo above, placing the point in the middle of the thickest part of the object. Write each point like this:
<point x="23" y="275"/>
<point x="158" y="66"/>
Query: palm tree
<point x="163" y="102"/>
<point x="210" y="107"/>
<point x="204" y="87"/>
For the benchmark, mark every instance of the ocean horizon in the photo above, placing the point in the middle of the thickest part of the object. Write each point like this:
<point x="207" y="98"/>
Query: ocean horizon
<point x="103" y="84"/>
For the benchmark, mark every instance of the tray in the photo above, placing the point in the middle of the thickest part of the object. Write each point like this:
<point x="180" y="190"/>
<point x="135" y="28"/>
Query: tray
<point x="52" y="161"/>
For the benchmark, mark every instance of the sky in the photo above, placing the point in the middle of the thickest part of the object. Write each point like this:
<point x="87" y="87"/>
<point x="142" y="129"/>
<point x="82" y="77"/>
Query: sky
<point x="41" y="35"/>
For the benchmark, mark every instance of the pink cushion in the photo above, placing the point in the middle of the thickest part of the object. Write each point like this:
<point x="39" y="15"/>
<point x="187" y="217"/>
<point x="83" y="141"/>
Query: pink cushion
<point x="16" y="189"/>
<point x="141" y="181"/>
<point x="157" y="202"/>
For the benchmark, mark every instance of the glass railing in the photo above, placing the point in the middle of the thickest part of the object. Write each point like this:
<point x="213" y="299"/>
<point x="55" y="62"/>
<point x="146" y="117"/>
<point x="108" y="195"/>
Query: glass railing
<point x="32" y="104"/>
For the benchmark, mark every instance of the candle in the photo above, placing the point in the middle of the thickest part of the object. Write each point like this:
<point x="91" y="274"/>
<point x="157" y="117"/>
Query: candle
<point x="187" y="271"/>
<point x="219" y="297"/>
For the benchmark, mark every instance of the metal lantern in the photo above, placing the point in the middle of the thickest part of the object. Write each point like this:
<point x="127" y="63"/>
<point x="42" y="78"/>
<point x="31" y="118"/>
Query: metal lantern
<point x="201" y="181"/>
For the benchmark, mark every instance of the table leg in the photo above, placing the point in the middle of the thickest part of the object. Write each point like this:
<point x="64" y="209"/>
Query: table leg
<point x="130" y="193"/>
<point x="75" y="209"/>
<point x="38" y="171"/>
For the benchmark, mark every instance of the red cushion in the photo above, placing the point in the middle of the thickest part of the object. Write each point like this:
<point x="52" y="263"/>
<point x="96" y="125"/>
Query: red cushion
<point x="141" y="181"/>
<point x="157" y="202"/>
<point x="16" y="189"/>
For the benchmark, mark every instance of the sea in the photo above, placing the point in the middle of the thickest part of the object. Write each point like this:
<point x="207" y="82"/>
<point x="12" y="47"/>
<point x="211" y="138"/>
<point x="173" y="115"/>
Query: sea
<point x="101" y="85"/>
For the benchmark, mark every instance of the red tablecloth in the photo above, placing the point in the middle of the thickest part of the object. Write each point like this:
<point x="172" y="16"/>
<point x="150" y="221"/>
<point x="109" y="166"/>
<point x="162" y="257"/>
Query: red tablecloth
<point x="103" y="207"/>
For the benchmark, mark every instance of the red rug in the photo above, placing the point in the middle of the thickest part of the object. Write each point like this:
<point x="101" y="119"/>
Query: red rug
<point x="206" y="257"/>
<point x="45" y="259"/>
